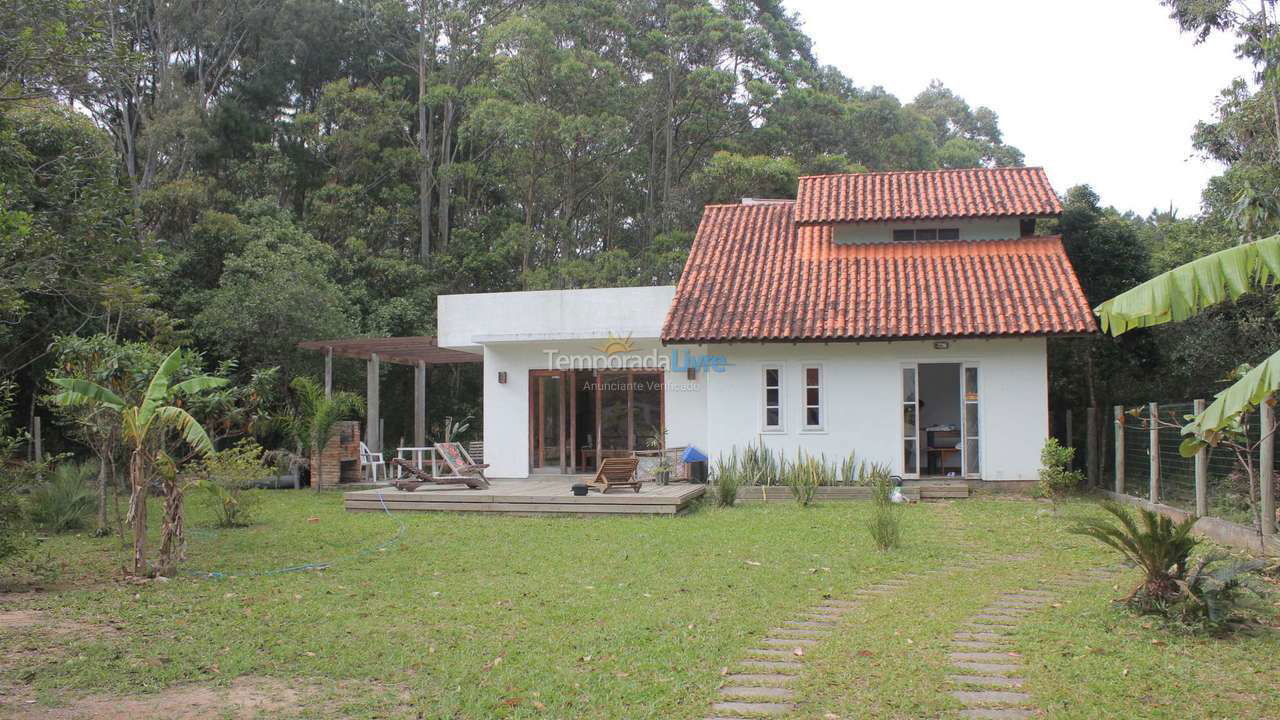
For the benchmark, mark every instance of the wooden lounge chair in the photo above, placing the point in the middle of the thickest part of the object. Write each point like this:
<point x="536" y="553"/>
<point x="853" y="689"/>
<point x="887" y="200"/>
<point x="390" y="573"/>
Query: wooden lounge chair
<point x="461" y="467"/>
<point x="616" y="472"/>
<point x="426" y="478"/>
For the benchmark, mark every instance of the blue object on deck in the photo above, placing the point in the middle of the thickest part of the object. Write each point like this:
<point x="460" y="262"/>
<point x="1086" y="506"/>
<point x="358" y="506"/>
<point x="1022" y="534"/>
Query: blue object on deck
<point x="693" y="455"/>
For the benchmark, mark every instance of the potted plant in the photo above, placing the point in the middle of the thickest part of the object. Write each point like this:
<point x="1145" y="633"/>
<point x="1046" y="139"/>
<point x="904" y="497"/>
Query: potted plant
<point x="663" y="468"/>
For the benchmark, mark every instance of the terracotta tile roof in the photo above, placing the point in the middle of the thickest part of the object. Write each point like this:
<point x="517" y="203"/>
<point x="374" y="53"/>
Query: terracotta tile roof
<point x="753" y="274"/>
<point x="924" y="195"/>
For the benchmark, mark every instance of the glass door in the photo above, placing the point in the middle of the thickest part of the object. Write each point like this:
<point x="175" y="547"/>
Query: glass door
<point x="972" y="453"/>
<point x="547" y="419"/>
<point x="910" y="421"/>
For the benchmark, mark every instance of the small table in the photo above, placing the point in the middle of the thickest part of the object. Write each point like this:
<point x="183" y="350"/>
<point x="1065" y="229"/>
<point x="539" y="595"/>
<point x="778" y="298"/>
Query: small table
<point x="418" y="454"/>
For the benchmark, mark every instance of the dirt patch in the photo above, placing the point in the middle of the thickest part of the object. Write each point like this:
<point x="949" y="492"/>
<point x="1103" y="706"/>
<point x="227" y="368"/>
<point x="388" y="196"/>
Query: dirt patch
<point x="242" y="698"/>
<point x="38" y="620"/>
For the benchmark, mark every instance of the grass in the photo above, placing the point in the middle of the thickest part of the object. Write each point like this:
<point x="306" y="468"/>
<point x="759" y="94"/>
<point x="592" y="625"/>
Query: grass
<point x="477" y="616"/>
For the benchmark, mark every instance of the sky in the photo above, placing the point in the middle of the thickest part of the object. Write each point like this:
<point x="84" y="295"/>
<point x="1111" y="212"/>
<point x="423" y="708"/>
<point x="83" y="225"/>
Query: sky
<point x="1104" y="92"/>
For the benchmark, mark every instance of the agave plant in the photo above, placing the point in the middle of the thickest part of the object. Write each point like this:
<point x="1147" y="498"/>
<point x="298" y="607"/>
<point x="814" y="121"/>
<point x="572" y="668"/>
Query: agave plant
<point x="1157" y="545"/>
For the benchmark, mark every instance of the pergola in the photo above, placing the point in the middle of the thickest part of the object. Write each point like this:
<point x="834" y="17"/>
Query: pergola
<point x="417" y="352"/>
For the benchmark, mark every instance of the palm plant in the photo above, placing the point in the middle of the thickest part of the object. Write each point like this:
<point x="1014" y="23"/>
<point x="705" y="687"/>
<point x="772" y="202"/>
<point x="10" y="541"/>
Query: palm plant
<point x="311" y="423"/>
<point x="1159" y="546"/>
<point x="145" y="428"/>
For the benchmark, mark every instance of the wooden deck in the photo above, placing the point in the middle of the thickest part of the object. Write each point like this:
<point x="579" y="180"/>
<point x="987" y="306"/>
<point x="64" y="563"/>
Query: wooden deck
<point x="535" y="496"/>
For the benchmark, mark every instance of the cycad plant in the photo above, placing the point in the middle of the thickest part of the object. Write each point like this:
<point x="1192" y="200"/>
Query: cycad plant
<point x="1153" y="542"/>
<point x="65" y="500"/>
<point x="145" y="430"/>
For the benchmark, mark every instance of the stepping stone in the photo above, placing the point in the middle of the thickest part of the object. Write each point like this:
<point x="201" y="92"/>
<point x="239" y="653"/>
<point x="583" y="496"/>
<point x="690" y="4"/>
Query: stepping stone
<point x="810" y="623"/>
<point x="995" y="657"/>
<point x="840" y="603"/>
<point x="790" y="642"/>
<point x="799" y="632"/>
<point x="994" y="668"/>
<point x="988" y="680"/>
<point x="1010" y="609"/>
<point x="983" y="636"/>
<point x="998" y="616"/>
<point x="757" y="692"/>
<point x="832" y="609"/>
<point x="820" y="617"/>
<point x="989" y="714"/>
<point x="770" y="653"/>
<point x="1004" y="621"/>
<point x="991" y="697"/>
<point x="774" y="665"/>
<point x="739" y="679"/>
<point x="978" y="645"/>
<point x="753" y="708"/>
<point x="990" y="628"/>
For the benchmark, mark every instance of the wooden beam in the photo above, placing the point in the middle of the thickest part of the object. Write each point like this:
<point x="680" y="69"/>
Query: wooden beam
<point x="1202" y="471"/>
<point x="1119" y="423"/>
<point x="1091" y="445"/>
<point x="372" y="424"/>
<point x="420" y="404"/>
<point x="1266" y="476"/>
<point x="1153" y="491"/>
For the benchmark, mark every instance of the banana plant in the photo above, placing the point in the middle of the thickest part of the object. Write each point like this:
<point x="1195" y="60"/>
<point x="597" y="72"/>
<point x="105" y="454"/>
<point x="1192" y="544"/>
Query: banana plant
<point x="145" y="428"/>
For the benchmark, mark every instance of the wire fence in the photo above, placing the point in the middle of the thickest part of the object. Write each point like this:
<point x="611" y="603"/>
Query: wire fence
<point x="1229" y="495"/>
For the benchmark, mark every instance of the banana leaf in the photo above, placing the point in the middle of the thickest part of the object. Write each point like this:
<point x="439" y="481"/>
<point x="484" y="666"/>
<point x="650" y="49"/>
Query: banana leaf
<point x="1188" y="289"/>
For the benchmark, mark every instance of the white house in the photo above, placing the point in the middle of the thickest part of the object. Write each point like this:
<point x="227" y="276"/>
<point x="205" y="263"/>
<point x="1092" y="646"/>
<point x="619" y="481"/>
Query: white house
<point x="902" y="316"/>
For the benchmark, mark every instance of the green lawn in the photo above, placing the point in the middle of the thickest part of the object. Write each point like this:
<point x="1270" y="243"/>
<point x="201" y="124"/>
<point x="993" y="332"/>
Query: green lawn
<point x="478" y="616"/>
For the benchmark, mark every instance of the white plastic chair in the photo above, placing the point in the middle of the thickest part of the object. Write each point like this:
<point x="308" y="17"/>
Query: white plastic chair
<point x="371" y="461"/>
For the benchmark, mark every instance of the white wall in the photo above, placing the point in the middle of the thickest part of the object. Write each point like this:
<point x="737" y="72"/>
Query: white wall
<point x="863" y="399"/>
<point x="882" y="232"/>
<point x="466" y="322"/>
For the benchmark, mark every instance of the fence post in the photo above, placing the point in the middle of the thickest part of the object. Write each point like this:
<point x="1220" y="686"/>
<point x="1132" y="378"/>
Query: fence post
<point x="1267" y="459"/>
<point x="1119" y="409"/>
<point x="1202" y="471"/>
<point x="1070" y="439"/>
<point x="1154" y="433"/>
<point x="1091" y="445"/>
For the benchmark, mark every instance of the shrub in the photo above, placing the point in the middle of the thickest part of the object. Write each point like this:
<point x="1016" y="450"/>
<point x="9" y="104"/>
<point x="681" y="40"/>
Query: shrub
<point x="885" y="524"/>
<point x="805" y="475"/>
<point x="1159" y="546"/>
<point x="1056" y="476"/>
<point x="728" y="478"/>
<point x="66" y="500"/>
<point x="760" y="466"/>
<point x="227" y="476"/>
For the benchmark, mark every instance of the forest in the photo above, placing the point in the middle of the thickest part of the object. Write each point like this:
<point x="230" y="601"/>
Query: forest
<point x="231" y="177"/>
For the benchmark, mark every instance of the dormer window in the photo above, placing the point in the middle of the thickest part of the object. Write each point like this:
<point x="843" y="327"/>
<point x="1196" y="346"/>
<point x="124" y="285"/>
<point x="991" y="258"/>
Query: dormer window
<point x="926" y="234"/>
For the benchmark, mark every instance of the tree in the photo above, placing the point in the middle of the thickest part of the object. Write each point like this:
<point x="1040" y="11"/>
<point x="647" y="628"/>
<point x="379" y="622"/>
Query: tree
<point x="1254" y="24"/>
<point x="144" y="429"/>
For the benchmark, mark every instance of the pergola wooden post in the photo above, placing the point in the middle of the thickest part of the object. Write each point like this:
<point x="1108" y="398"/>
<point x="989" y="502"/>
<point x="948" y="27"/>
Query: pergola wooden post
<point x="372" y="394"/>
<point x="328" y="373"/>
<point x="420" y="404"/>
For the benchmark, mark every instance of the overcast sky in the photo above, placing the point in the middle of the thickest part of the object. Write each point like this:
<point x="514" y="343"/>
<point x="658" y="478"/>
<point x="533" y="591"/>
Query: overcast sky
<point x="1104" y="92"/>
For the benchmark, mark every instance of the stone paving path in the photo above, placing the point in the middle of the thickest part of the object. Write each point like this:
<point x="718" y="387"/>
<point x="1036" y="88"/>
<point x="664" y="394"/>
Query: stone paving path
<point x="759" y="685"/>
<point x="986" y="672"/>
